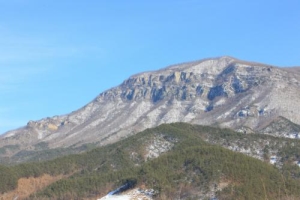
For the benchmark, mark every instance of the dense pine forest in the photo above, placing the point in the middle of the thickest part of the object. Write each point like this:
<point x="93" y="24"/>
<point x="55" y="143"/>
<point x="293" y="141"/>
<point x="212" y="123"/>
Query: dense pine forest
<point x="185" y="164"/>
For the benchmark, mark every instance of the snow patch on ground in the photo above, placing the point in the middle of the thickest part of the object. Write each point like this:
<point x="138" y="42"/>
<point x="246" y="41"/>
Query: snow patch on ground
<point x="10" y="134"/>
<point x="135" y="194"/>
<point x="158" y="146"/>
<point x="116" y="197"/>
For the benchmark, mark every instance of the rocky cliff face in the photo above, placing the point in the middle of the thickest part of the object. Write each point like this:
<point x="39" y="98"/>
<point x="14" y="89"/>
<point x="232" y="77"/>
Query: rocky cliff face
<point x="223" y="92"/>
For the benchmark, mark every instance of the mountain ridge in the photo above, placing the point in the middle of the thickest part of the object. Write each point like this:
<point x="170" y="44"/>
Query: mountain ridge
<point x="222" y="91"/>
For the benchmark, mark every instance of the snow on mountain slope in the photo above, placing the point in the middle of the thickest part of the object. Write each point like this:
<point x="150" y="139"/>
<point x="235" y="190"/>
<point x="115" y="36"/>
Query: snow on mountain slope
<point x="223" y="92"/>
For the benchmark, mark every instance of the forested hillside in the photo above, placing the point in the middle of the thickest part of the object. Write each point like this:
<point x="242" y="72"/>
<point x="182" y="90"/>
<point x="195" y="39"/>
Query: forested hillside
<point x="175" y="160"/>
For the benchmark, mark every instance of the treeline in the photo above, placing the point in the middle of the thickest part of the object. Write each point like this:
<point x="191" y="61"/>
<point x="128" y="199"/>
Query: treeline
<point x="192" y="168"/>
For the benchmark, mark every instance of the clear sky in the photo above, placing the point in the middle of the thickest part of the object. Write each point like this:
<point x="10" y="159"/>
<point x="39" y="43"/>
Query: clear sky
<point x="58" y="55"/>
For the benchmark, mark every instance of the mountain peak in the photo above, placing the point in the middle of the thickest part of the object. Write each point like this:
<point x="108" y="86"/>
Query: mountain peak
<point x="222" y="91"/>
<point x="217" y="61"/>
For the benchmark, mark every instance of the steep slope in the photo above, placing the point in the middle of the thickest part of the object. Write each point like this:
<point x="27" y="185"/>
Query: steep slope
<point x="173" y="160"/>
<point x="224" y="92"/>
<point x="282" y="127"/>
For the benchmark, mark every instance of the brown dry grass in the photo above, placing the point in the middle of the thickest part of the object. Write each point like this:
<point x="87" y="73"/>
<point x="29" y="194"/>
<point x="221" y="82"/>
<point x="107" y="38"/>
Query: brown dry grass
<point x="28" y="186"/>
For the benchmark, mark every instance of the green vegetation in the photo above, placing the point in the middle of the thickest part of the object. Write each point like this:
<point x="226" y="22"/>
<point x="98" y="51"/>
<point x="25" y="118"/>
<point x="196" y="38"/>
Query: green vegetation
<point x="6" y="148"/>
<point x="8" y="179"/>
<point x="41" y="152"/>
<point x="192" y="168"/>
<point x="41" y="146"/>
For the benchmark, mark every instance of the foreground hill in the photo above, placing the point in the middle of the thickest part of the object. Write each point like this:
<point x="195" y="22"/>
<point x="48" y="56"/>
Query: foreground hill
<point x="225" y="92"/>
<point x="175" y="160"/>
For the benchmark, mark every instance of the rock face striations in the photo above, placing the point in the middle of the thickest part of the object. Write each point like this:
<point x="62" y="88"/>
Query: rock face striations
<point x="223" y="92"/>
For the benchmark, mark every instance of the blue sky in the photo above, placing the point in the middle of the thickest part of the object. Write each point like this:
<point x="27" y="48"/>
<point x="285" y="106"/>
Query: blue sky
<point x="56" y="56"/>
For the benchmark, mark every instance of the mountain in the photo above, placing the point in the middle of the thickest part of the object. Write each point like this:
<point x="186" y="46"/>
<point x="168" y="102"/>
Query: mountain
<point x="171" y="161"/>
<point x="282" y="127"/>
<point x="222" y="92"/>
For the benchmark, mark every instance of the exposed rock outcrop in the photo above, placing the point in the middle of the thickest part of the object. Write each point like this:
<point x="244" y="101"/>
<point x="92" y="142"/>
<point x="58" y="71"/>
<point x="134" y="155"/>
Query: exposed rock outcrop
<point x="222" y="92"/>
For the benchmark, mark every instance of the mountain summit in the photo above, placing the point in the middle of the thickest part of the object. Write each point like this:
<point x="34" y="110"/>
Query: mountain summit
<point x="224" y="92"/>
